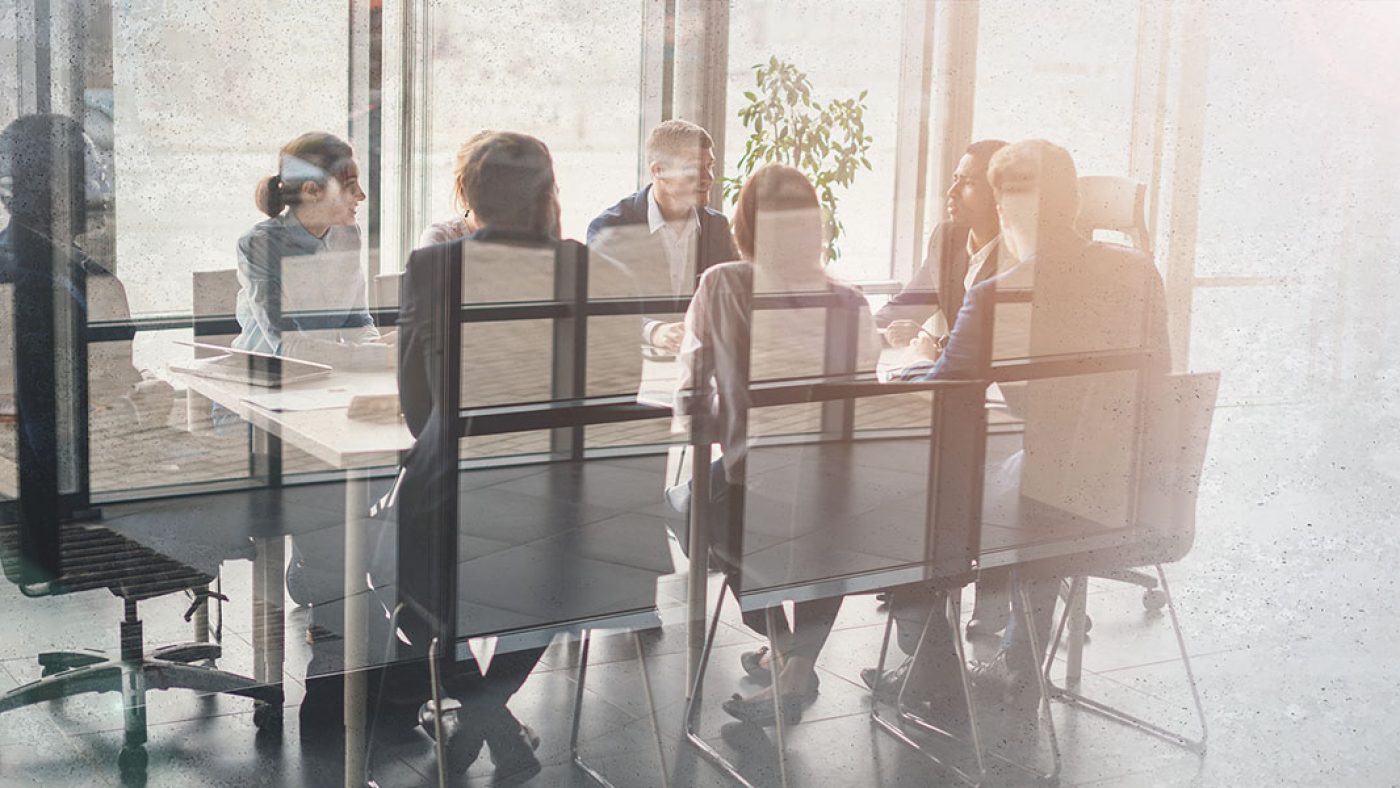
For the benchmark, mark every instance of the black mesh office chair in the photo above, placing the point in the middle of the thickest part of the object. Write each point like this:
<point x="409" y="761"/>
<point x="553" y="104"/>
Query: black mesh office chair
<point x="94" y="557"/>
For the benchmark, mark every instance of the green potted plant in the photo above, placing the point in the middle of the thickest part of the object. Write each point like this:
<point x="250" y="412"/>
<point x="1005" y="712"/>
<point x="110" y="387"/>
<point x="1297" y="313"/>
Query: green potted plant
<point x="786" y="126"/>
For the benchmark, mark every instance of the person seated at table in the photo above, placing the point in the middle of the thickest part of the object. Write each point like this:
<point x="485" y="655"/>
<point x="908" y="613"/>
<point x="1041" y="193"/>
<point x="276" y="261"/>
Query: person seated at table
<point x="123" y="401"/>
<point x="464" y="224"/>
<point x="305" y="255"/>
<point x="667" y="234"/>
<point x="508" y="180"/>
<point x="778" y="226"/>
<point x="962" y="252"/>
<point x="1086" y="297"/>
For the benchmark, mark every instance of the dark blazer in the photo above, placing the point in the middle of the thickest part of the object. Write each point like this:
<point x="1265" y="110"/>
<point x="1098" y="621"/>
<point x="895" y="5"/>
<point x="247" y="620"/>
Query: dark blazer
<point x="715" y="239"/>
<point x="938" y="284"/>
<point x="1094" y="274"/>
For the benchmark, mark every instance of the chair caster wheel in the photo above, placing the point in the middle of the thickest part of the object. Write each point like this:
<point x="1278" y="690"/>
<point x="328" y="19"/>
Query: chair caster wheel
<point x="131" y="761"/>
<point x="267" y="716"/>
<point x="1088" y="624"/>
<point x="1154" y="599"/>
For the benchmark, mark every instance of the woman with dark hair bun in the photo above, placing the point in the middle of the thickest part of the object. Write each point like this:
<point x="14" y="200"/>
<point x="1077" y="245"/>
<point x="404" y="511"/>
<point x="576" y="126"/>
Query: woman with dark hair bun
<point x="311" y="203"/>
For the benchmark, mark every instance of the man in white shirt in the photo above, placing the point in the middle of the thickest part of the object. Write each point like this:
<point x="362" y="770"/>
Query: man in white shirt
<point x="666" y="233"/>
<point x="962" y="251"/>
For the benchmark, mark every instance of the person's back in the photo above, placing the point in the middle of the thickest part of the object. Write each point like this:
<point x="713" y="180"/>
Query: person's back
<point x="754" y="321"/>
<point x="509" y="181"/>
<point x="511" y="361"/>
<point x="1081" y="431"/>
<point x="121" y="399"/>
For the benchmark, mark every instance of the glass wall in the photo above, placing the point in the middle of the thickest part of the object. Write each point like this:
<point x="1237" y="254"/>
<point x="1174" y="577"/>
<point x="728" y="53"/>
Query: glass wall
<point x="818" y="38"/>
<point x="488" y="71"/>
<point x="1317" y="278"/>
<point x="1062" y="72"/>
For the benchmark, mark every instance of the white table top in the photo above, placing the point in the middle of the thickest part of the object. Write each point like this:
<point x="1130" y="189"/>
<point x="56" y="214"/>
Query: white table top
<point x="327" y="434"/>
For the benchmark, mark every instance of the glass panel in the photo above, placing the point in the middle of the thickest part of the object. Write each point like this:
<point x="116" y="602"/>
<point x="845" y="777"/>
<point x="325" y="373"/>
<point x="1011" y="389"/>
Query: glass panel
<point x="191" y="138"/>
<point x="9" y="110"/>
<point x="1062" y="72"/>
<point x="488" y="71"/>
<point x="818" y="37"/>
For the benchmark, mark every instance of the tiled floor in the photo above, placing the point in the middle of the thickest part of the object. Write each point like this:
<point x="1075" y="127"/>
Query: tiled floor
<point x="1287" y="599"/>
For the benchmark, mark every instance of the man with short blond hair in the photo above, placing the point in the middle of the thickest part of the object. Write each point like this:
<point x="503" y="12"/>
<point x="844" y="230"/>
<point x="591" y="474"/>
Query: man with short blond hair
<point x="666" y="233"/>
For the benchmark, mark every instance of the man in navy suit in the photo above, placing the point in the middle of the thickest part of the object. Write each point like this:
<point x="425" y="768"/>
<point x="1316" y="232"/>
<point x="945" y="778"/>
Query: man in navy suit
<point x="666" y="233"/>
<point x="1085" y="297"/>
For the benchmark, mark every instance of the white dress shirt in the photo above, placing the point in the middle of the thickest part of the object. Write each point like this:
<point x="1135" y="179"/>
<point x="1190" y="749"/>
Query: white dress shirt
<point x="678" y="242"/>
<point x="680" y="246"/>
<point x="940" y="325"/>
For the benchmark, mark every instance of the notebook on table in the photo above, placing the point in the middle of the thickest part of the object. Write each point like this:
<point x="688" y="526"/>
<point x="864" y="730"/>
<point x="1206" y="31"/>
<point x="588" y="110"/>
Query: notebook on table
<point x="250" y="367"/>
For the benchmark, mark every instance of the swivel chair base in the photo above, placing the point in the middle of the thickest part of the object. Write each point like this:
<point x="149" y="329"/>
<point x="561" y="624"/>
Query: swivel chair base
<point x="67" y="673"/>
<point x="1076" y="698"/>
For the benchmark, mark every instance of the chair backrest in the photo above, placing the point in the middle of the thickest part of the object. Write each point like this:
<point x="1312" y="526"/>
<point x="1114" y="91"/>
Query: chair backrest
<point x="94" y="556"/>
<point x="215" y="296"/>
<point x="1108" y="202"/>
<point x="1173" y="454"/>
<point x="386" y="289"/>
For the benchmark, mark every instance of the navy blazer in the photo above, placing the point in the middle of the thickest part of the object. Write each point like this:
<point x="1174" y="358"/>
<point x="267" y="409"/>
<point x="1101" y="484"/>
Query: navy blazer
<point x="716" y="241"/>
<point x="1096" y="273"/>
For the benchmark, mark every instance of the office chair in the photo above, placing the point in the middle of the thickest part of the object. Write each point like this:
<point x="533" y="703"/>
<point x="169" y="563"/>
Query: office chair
<point x="1118" y="205"/>
<point x="93" y="557"/>
<point x="1173" y="453"/>
<point x="1108" y="202"/>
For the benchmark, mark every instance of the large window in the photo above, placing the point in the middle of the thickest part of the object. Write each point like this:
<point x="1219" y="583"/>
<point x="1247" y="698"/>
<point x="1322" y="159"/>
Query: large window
<point x="566" y="72"/>
<point x="1297" y="196"/>
<point x="1059" y="71"/>
<point x="819" y="37"/>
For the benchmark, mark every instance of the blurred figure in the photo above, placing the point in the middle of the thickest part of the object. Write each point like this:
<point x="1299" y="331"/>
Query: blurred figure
<point x="508" y="180"/>
<point x="311" y="235"/>
<point x="666" y="233"/>
<point x="962" y="252"/>
<point x="1086" y="297"/>
<point x="122" y="400"/>
<point x="463" y="225"/>
<point x="778" y="226"/>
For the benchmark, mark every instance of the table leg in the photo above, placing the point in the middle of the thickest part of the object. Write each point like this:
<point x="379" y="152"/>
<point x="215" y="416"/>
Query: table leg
<point x="259" y="609"/>
<point x="356" y="630"/>
<point x="1074" y="655"/>
<point x="699" y="561"/>
<point x="269" y="567"/>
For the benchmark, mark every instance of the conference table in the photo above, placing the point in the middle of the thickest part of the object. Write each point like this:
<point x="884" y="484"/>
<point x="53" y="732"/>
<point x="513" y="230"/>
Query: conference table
<point x="312" y="415"/>
<point x="575" y="519"/>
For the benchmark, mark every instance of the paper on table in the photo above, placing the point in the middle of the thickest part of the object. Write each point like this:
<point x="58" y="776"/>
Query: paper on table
<point x="659" y="380"/>
<point x="316" y="399"/>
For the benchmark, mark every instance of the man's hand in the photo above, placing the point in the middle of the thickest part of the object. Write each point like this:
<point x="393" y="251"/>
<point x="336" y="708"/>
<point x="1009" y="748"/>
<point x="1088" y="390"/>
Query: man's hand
<point x="925" y="346"/>
<point x="668" y="336"/>
<point x="900" y="332"/>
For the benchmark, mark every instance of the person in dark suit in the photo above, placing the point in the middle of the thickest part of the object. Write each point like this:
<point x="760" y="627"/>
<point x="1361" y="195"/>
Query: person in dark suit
<point x="1085" y="297"/>
<point x="666" y="233"/>
<point x="509" y="182"/>
<point x="962" y="251"/>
